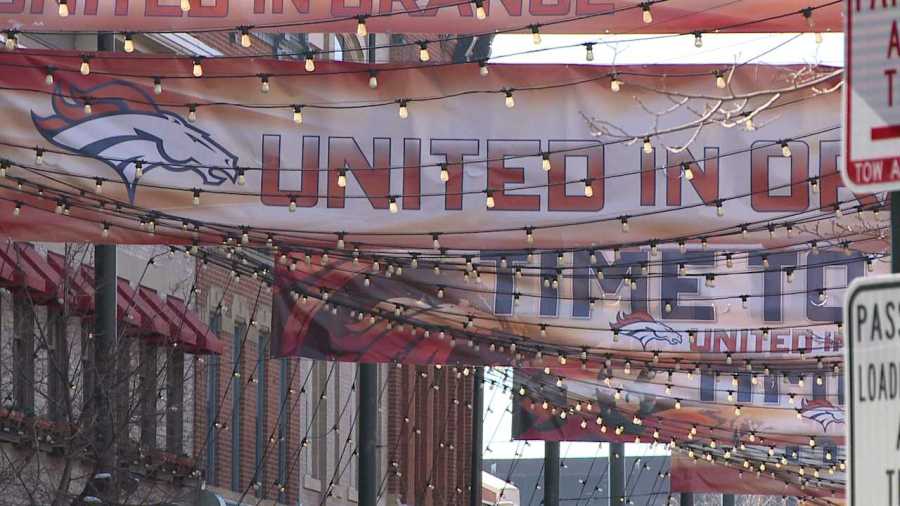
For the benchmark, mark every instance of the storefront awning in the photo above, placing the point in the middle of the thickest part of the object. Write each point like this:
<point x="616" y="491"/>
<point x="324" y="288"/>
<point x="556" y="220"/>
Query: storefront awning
<point x="23" y="268"/>
<point x="177" y="332"/>
<point x="207" y="342"/>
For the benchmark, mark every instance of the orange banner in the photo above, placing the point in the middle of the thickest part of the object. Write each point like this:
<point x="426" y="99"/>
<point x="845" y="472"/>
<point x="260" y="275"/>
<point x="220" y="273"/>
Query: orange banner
<point x="432" y="16"/>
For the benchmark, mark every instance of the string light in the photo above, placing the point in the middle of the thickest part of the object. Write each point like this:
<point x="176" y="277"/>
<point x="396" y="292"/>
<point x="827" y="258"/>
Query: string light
<point x="298" y="114"/>
<point x="63" y="8"/>
<point x="648" y="147"/>
<point x="197" y="69"/>
<point x="624" y="222"/>
<point x="342" y="178"/>
<point x="404" y="110"/>
<point x="373" y="79"/>
<point x="85" y="68"/>
<point x="698" y="40"/>
<point x="785" y="149"/>
<point x="536" y="35"/>
<point x="424" y="55"/>
<point x="192" y="113"/>
<point x="720" y="80"/>
<point x="483" y="68"/>
<point x="510" y="101"/>
<point x="245" y="37"/>
<point x="392" y="205"/>
<point x="480" y="13"/>
<point x="589" y="51"/>
<point x="646" y="14"/>
<point x="48" y="77"/>
<point x="588" y="188"/>
<point x="686" y="170"/>
<point x="615" y="84"/>
<point x="88" y="109"/>
<point x="361" y="29"/>
<point x="128" y="45"/>
<point x="185" y="5"/>
<point x="309" y="64"/>
<point x="196" y="199"/>
<point x="138" y="169"/>
<point x="157" y="86"/>
<point x="11" y="40"/>
<point x="489" y="202"/>
<point x="445" y="174"/>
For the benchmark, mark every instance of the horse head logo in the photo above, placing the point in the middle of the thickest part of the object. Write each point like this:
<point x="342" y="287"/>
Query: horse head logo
<point x="127" y="126"/>
<point x="822" y="412"/>
<point x="645" y="329"/>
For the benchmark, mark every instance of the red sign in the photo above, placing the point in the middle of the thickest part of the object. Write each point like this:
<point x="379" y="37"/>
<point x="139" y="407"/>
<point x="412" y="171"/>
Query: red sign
<point x="409" y="16"/>
<point x="872" y="108"/>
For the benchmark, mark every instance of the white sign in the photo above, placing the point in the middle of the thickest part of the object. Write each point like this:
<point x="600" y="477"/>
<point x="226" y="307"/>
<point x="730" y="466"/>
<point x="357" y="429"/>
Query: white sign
<point x="872" y="97"/>
<point x="872" y="374"/>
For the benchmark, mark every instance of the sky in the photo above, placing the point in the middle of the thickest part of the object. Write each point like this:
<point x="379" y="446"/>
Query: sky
<point x="768" y="48"/>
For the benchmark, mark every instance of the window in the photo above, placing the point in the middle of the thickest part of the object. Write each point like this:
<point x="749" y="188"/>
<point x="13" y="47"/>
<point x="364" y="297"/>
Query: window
<point x="212" y="403"/>
<point x="262" y="352"/>
<point x="283" y="427"/>
<point x="240" y="330"/>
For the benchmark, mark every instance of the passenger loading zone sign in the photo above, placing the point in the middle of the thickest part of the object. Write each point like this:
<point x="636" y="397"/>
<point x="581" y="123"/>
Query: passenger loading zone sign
<point x="872" y="376"/>
<point x="872" y="96"/>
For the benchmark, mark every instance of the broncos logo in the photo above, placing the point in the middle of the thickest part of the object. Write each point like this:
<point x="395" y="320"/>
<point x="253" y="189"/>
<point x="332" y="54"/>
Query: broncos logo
<point x="121" y="132"/>
<point x="645" y="329"/>
<point x="822" y="412"/>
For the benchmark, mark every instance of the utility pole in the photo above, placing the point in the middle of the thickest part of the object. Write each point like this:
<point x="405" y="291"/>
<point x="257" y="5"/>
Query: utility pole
<point x="477" y="436"/>
<point x="616" y="474"/>
<point x="551" y="473"/>
<point x="368" y="409"/>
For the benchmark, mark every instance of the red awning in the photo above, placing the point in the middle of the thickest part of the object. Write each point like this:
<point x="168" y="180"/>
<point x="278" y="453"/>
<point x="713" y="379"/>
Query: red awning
<point x="133" y="311"/>
<point x="207" y="341"/>
<point x="21" y="267"/>
<point x="75" y="281"/>
<point x="177" y="331"/>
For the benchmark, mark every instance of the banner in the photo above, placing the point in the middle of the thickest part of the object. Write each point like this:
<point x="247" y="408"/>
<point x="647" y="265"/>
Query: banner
<point x="219" y="156"/>
<point x="409" y="16"/>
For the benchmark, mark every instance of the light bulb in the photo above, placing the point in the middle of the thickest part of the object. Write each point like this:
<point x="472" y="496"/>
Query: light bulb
<point x="588" y="188"/>
<point x="720" y="209"/>
<point x="483" y="69"/>
<point x="192" y="113"/>
<point x="11" y="40"/>
<point x="87" y="107"/>
<point x="647" y="15"/>
<point x="648" y="147"/>
<point x="373" y="80"/>
<point x="625" y="226"/>
<point x="185" y="5"/>
<point x="489" y="202"/>
<point x="85" y="66"/>
<point x="720" y="80"/>
<point x="138" y="169"/>
<point x="424" y="55"/>
<point x="196" y="199"/>
<point x="298" y="115"/>
<point x="535" y="35"/>
<point x="63" y="8"/>
<point x="245" y="38"/>
<point x="342" y="179"/>
<point x="48" y="78"/>
<point x="392" y="205"/>
<point x="361" y="29"/>
<point x="510" y="101"/>
<point x="310" y="64"/>
<point x="785" y="149"/>
<point x="128" y="45"/>
<point x="698" y="40"/>
<point x="615" y="84"/>
<point x="403" y="111"/>
<point x="589" y="52"/>
<point x="445" y="174"/>
<point x="198" y="68"/>
<point x="480" y="13"/>
<point x="157" y="86"/>
<point x="688" y="173"/>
